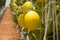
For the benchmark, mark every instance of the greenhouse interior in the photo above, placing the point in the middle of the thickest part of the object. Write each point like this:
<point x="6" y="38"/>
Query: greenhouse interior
<point x="29" y="20"/>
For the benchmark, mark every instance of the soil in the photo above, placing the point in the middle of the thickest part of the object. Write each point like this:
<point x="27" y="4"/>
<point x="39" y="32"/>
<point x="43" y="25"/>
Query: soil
<point x="8" y="29"/>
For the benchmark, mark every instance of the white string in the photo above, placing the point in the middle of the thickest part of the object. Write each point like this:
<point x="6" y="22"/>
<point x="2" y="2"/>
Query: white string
<point x="50" y="2"/>
<point x="53" y="14"/>
<point x="56" y="20"/>
<point x="46" y="24"/>
<point x="46" y="21"/>
<point x="22" y="33"/>
<point x="27" y="38"/>
<point x="57" y="28"/>
<point x="42" y="12"/>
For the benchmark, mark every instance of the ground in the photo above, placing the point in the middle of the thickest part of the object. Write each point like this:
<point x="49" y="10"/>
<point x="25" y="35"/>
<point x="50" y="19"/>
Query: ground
<point x="8" y="29"/>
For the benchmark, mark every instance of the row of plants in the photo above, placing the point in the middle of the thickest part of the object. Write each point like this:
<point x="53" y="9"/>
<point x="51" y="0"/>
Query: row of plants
<point x="28" y="16"/>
